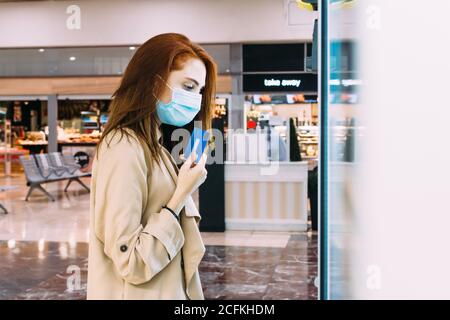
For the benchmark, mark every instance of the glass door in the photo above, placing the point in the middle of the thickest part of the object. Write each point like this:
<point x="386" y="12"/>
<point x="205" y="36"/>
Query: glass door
<point x="340" y="135"/>
<point x="384" y="172"/>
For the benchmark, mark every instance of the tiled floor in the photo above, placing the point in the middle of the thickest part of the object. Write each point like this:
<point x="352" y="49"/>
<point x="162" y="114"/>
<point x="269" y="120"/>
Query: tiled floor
<point x="43" y="247"/>
<point x="66" y="219"/>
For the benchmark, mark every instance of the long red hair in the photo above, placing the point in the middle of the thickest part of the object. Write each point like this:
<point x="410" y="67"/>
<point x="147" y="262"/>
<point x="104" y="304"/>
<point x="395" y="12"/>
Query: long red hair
<point x="133" y="104"/>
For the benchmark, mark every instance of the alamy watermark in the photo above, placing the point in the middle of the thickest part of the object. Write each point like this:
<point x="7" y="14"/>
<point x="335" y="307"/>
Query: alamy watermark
<point x="73" y="21"/>
<point x="260" y="148"/>
<point x="73" y="281"/>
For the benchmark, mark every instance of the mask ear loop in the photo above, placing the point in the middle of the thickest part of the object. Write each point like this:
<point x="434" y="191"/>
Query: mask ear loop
<point x="165" y="82"/>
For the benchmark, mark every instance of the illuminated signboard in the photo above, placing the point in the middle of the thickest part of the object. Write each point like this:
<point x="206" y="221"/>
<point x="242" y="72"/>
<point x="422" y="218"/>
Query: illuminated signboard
<point x="291" y="82"/>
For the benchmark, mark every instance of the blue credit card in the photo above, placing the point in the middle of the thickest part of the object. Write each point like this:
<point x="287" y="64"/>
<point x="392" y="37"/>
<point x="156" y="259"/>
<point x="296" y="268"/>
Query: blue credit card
<point x="199" y="137"/>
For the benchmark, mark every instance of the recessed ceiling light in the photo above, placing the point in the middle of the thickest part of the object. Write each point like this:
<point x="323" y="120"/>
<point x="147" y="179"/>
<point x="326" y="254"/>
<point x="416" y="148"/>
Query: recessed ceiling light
<point x="41" y="50"/>
<point x="73" y="58"/>
<point x="132" y="48"/>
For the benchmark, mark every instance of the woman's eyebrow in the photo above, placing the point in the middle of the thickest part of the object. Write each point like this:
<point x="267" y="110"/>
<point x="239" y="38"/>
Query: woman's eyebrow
<point x="193" y="80"/>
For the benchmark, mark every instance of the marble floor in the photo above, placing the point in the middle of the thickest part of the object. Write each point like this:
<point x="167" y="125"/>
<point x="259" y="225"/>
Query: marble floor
<point x="44" y="249"/>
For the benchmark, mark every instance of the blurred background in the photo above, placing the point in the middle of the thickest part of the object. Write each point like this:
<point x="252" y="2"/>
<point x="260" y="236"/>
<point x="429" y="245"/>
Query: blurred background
<point x="60" y="62"/>
<point x="385" y="206"/>
<point x="330" y="115"/>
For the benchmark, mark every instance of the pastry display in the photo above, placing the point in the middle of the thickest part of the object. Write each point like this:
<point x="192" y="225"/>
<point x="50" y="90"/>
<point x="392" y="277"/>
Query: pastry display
<point x="220" y="109"/>
<point x="71" y="136"/>
<point x="33" y="137"/>
<point x="93" y="137"/>
<point x="308" y="138"/>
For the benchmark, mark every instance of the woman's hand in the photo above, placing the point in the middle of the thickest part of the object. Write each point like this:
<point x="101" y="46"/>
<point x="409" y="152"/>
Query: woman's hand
<point x="190" y="177"/>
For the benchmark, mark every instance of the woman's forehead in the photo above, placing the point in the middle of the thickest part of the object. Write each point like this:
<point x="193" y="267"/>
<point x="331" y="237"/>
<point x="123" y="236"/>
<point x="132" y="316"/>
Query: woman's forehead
<point x="192" y="68"/>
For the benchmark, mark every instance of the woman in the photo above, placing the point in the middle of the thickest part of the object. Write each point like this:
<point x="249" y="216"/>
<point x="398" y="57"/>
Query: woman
<point x="144" y="238"/>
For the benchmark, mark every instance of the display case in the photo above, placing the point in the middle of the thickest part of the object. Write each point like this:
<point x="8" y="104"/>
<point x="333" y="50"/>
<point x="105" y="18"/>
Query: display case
<point x="103" y="120"/>
<point x="273" y="112"/>
<point x="308" y="138"/>
<point x="90" y="121"/>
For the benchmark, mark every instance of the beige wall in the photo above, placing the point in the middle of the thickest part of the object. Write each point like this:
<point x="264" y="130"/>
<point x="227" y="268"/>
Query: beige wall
<point x="120" y="22"/>
<point x="262" y="200"/>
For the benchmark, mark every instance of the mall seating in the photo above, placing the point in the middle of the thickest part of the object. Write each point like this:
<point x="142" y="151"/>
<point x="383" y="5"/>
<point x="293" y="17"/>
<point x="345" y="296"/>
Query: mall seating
<point x="66" y="162"/>
<point x="43" y="162"/>
<point x="45" y="168"/>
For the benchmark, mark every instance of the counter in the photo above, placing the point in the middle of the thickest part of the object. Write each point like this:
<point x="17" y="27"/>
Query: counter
<point x="61" y="145"/>
<point x="266" y="197"/>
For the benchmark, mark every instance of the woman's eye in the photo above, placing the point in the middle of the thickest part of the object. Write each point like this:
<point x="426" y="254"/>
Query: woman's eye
<point x="189" y="86"/>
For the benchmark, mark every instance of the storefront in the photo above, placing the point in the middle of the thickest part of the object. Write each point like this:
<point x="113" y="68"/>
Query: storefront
<point x="61" y="104"/>
<point x="58" y="72"/>
<point x="21" y="119"/>
<point x="269" y="158"/>
<point x="80" y="121"/>
<point x="261" y="183"/>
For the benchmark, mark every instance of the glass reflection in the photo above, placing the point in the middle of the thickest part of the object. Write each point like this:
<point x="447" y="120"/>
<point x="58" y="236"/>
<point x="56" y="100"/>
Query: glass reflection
<point x="344" y="136"/>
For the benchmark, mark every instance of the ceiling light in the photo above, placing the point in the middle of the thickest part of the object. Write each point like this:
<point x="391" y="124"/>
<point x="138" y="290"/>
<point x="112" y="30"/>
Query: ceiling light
<point x="73" y="58"/>
<point x="41" y="50"/>
<point x="132" y="48"/>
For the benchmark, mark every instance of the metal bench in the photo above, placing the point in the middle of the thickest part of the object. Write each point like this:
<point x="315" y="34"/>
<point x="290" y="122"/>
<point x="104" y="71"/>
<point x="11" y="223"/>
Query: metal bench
<point x="66" y="162"/>
<point x="41" y="169"/>
<point x="43" y="162"/>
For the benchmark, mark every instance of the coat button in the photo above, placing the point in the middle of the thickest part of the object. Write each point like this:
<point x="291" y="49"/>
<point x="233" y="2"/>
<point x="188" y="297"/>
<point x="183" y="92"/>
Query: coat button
<point x="123" y="248"/>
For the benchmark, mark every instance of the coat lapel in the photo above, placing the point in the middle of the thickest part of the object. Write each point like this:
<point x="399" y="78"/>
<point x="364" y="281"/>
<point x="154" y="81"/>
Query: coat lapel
<point x="193" y="249"/>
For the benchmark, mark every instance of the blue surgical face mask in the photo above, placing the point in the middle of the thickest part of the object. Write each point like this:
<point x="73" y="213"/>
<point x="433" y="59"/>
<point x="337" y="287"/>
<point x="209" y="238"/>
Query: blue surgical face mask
<point x="181" y="109"/>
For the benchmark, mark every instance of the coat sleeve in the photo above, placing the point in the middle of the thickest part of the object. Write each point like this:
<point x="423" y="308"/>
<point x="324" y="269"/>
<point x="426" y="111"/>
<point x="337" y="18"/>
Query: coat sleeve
<point x="121" y="193"/>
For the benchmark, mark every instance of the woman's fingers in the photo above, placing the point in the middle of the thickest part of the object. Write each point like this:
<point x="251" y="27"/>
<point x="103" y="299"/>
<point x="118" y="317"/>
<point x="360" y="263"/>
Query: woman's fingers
<point x="191" y="158"/>
<point x="201" y="164"/>
<point x="194" y="150"/>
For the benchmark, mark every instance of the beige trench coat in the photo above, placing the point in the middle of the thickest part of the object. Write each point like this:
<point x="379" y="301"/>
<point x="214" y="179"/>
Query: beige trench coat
<point x="138" y="250"/>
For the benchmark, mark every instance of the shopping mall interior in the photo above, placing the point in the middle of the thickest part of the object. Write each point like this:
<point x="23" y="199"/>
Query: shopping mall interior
<point x="327" y="171"/>
<point x="260" y="231"/>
